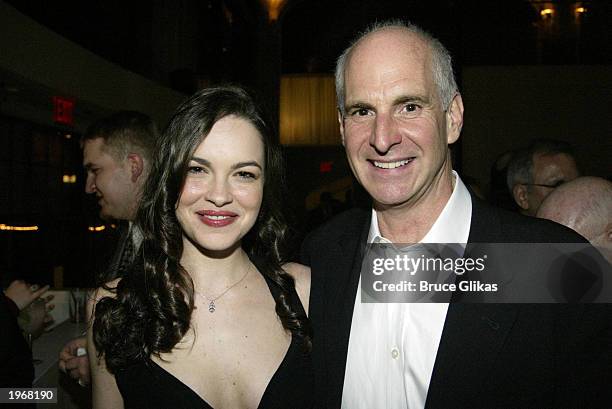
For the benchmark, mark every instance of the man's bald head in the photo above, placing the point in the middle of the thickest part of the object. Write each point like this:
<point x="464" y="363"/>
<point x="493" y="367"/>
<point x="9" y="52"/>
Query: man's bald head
<point x="584" y="205"/>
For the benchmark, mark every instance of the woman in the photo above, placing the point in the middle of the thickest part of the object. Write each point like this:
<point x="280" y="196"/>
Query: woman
<point x="210" y="319"/>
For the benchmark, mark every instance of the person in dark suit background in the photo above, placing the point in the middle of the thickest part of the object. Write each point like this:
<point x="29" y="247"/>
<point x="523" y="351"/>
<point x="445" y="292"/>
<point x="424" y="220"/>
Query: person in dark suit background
<point x="16" y="368"/>
<point x="399" y="109"/>
<point x="117" y="154"/>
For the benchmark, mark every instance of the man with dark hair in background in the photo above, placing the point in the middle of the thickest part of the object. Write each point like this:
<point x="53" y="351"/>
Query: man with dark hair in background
<point x="535" y="171"/>
<point x="117" y="153"/>
<point x="399" y="109"/>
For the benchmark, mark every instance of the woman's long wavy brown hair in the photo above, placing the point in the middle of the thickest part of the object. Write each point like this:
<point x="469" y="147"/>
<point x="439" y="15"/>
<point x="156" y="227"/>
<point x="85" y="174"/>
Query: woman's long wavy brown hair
<point x="152" y="307"/>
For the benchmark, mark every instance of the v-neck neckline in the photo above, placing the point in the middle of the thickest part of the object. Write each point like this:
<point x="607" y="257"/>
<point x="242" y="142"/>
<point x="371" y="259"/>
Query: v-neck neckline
<point x="207" y="405"/>
<point x="273" y="379"/>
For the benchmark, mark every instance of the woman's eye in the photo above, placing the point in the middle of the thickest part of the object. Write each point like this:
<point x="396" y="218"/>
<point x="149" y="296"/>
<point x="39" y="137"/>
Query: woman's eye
<point x="196" y="170"/>
<point x="246" y="175"/>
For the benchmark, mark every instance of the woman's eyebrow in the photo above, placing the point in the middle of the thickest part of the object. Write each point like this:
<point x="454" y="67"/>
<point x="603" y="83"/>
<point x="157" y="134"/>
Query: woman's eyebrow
<point x="245" y="164"/>
<point x="235" y="166"/>
<point x="201" y="161"/>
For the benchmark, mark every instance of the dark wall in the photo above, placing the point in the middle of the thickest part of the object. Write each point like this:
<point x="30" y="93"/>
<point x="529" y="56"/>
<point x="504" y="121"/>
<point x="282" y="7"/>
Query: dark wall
<point x="506" y="107"/>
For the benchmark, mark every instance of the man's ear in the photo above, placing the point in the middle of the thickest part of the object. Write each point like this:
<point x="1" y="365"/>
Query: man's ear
<point x="136" y="164"/>
<point x="608" y="233"/>
<point x="341" y="123"/>
<point x="519" y="192"/>
<point x="454" y="119"/>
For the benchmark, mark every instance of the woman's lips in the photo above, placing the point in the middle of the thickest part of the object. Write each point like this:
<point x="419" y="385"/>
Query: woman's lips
<point x="216" y="218"/>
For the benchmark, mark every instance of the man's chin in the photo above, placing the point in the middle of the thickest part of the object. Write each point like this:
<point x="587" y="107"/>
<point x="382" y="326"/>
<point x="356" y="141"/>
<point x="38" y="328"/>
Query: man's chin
<point x="105" y="216"/>
<point x="391" y="199"/>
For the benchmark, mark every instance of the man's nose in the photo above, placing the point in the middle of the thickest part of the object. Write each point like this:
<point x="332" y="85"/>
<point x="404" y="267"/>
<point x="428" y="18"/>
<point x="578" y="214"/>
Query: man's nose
<point x="90" y="184"/>
<point x="384" y="133"/>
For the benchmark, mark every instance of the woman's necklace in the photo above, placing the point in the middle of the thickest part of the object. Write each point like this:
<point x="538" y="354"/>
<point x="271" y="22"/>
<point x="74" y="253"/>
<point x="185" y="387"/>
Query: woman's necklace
<point x="211" y="301"/>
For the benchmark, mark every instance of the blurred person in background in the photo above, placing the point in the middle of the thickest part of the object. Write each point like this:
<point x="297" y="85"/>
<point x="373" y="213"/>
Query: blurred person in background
<point x="20" y="299"/>
<point x="535" y="171"/>
<point x="22" y="294"/>
<point x="117" y="152"/>
<point x="16" y="367"/>
<point x="583" y="205"/>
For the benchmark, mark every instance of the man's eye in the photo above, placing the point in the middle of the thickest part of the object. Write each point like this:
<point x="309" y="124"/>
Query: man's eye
<point x="360" y="112"/>
<point x="411" y="107"/>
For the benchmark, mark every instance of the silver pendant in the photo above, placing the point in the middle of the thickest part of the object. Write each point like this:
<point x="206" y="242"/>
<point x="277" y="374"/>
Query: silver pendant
<point x="211" y="306"/>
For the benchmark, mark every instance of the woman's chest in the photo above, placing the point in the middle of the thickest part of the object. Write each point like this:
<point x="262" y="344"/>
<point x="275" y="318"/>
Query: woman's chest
<point x="230" y="364"/>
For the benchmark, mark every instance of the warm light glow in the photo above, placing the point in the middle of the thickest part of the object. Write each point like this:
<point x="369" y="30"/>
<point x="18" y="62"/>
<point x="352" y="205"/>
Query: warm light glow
<point x="546" y="12"/>
<point x="69" y="178"/>
<point x="96" y="228"/>
<point x="316" y="96"/>
<point x="274" y="8"/>
<point x="68" y="136"/>
<point x="580" y="10"/>
<point x="18" y="228"/>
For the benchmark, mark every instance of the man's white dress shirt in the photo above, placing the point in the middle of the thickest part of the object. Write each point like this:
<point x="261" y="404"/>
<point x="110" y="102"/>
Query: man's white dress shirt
<point x="392" y="347"/>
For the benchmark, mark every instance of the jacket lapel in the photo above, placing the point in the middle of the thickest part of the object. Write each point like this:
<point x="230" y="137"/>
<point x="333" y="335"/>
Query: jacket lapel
<point x="111" y="269"/>
<point x="473" y="333"/>
<point x="341" y="283"/>
<point x="472" y="336"/>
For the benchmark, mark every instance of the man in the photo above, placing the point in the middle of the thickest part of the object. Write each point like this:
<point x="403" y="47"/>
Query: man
<point x="534" y="172"/>
<point x="399" y="109"/>
<point x="16" y="369"/>
<point x="583" y="205"/>
<point x="21" y="294"/>
<point x="117" y="154"/>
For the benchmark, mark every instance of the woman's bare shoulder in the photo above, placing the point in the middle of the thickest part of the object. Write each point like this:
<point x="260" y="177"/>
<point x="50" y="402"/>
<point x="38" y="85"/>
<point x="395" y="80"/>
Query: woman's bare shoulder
<point x="297" y="271"/>
<point x="301" y="275"/>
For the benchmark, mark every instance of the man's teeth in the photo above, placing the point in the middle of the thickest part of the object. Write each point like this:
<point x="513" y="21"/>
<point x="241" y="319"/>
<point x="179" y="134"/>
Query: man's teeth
<point x="211" y="217"/>
<point x="391" y="165"/>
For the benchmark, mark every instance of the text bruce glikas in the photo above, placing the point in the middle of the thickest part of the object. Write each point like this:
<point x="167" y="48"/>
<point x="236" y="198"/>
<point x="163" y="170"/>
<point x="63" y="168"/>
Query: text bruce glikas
<point x="413" y="265"/>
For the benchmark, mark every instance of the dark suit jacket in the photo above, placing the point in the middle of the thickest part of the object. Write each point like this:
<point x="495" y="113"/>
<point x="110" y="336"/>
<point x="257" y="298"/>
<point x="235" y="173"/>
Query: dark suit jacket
<point x="16" y="369"/>
<point x="121" y="259"/>
<point x="490" y="355"/>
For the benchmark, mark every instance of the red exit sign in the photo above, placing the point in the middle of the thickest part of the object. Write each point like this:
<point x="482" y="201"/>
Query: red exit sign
<point x="326" y="167"/>
<point x="63" y="110"/>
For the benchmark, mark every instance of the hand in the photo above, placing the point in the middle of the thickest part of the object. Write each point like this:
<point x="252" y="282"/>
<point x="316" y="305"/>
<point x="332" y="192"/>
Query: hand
<point x="32" y="319"/>
<point x="74" y="361"/>
<point x="23" y="294"/>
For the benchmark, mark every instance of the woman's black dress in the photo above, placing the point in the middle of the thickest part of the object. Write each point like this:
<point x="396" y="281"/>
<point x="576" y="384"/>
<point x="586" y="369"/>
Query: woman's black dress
<point x="147" y="385"/>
